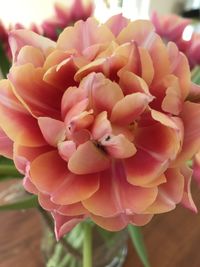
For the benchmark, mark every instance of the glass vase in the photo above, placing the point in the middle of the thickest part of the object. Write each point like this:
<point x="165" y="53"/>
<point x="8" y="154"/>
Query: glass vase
<point x="108" y="249"/>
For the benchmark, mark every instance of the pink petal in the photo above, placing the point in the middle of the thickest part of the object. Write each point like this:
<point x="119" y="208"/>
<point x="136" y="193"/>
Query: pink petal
<point x="117" y="23"/>
<point x="83" y="35"/>
<point x="64" y="224"/>
<point x="46" y="203"/>
<point x="6" y="145"/>
<point x="101" y="126"/>
<point x="30" y="54"/>
<point x="98" y="87"/>
<point x="72" y="209"/>
<point x="66" y="149"/>
<point x="88" y="158"/>
<point x="20" y="38"/>
<point x="54" y="131"/>
<point x="72" y="96"/>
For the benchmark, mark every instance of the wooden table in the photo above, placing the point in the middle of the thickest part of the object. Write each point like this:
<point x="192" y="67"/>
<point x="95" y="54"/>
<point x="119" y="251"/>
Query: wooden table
<point x="172" y="239"/>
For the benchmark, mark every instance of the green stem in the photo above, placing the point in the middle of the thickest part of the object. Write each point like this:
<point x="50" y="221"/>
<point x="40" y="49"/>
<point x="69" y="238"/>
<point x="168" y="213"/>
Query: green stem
<point x="87" y="245"/>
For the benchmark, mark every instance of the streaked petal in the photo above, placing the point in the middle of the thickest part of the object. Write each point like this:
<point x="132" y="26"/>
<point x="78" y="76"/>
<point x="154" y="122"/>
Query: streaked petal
<point x="121" y="196"/>
<point x="39" y="97"/>
<point x="76" y="188"/>
<point x="15" y="120"/>
<point x="142" y="174"/>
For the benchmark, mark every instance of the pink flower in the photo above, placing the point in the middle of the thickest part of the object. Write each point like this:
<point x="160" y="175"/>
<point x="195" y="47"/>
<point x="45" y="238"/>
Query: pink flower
<point x="171" y="28"/>
<point x="101" y="122"/>
<point x="66" y="16"/>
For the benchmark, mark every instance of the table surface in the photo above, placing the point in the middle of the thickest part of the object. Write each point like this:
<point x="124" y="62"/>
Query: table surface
<point x="172" y="239"/>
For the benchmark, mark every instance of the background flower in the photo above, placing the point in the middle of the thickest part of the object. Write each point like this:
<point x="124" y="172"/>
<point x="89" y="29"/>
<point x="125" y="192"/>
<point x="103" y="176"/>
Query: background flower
<point x="102" y="124"/>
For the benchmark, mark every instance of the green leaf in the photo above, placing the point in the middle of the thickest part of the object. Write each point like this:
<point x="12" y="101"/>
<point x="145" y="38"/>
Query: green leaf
<point x="196" y="75"/>
<point x="4" y="62"/>
<point x="137" y="239"/>
<point x="14" y="197"/>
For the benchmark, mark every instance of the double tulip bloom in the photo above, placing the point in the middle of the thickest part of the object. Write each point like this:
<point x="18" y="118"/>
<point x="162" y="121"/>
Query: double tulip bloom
<point x="102" y="122"/>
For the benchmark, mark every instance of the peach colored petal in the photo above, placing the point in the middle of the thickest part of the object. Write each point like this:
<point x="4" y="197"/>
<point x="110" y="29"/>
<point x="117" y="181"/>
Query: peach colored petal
<point x="196" y="168"/>
<point x="164" y="145"/>
<point x="179" y="66"/>
<point x="28" y="185"/>
<point x="83" y="35"/>
<point x="130" y="52"/>
<point x="20" y="38"/>
<point x="116" y="223"/>
<point x="66" y="149"/>
<point x="140" y="31"/>
<point x="56" y="75"/>
<point x="72" y="210"/>
<point x="129" y="108"/>
<point x="6" y="145"/>
<point x="101" y="126"/>
<point x="169" y="193"/>
<point x="121" y="221"/>
<point x="46" y="203"/>
<point x="54" y="131"/>
<point x="191" y="143"/>
<point x="72" y="96"/>
<point x="87" y="159"/>
<point x="121" y="196"/>
<point x="40" y="98"/>
<point x="76" y="110"/>
<point x="76" y="188"/>
<point x="30" y="54"/>
<point x="141" y="174"/>
<point x="172" y="102"/>
<point x="63" y="224"/>
<point x="108" y="65"/>
<point x="131" y="83"/>
<point x="147" y="69"/>
<point x="187" y="200"/>
<point x="117" y="23"/>
<point x="15" y="120"/>
<point x="98" y="87"/>
<point x="118" y="146"/>
<point x="43" y="176"/>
